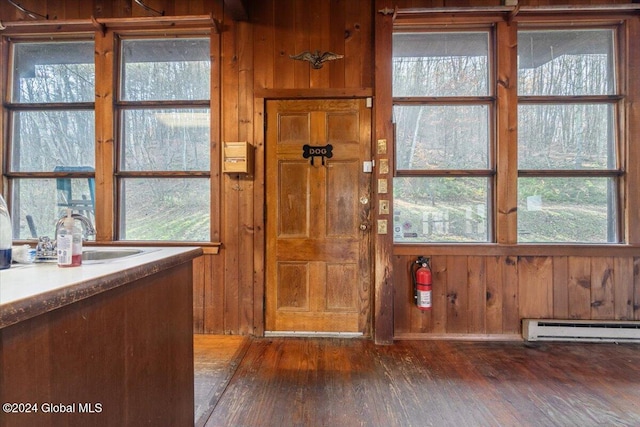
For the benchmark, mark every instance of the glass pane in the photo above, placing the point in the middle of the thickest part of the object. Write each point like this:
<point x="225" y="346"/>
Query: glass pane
<point x="165" y="209"/>
<point x="441" y="210"/>
<point x="566" y="136"/>
<point x="567" y="210"/>
<point x="166" y="140"/>
<point x="440" y="64"/>
<point x="39" y="203"/>
<point x="442" y="137"/>
<point x="165" y="69"/>
<point x="53" y="72"/>
<point x="566" y="62"/>
<point x="45" y="139"/>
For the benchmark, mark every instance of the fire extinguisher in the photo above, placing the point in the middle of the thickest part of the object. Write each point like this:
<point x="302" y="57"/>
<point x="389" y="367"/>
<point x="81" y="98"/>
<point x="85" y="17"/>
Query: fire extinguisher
<point x="422" y="281"/>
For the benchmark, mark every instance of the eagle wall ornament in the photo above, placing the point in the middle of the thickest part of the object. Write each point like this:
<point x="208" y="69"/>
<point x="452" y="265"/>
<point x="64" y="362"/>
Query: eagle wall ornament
<point x="316" y="59"/>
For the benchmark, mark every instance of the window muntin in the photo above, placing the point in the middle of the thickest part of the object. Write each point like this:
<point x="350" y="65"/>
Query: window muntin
<point x="53" y="72"/>
<point x="441" y="64"/>
<point x="442" y="137"/>
<point x="566" y="136"/>
<point x="443" y="109"/>
<point x="165" y="209"/>
<point x="163" y="170"/>
<point x="571" y="209"/>
<point x="165" y="69"/>
<point x="441" y="209"/>
<point x="566" y="62"/>
<point x="52" y="131"/>
<point x="569" y="170"/>
<point x="174" y="139"/>
<point x="39" y="202"/>
<point x="44" y="139"/>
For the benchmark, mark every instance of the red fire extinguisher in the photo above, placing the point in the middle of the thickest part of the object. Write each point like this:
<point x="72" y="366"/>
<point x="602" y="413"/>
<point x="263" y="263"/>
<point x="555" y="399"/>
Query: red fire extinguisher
<point x="422" y="281"/>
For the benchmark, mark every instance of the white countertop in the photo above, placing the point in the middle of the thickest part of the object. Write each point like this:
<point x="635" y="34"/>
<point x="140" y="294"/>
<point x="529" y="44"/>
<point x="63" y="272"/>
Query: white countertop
<point x="27" y="290"/>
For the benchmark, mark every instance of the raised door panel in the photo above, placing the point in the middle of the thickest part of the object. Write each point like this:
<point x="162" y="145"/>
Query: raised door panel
<point x="293" y="199"/>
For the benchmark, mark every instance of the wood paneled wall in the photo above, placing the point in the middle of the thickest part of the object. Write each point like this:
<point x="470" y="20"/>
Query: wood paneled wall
<point x="83" y="9"/>
<point x="256" y="66"/>
<point x="473" y="293"/>
<point x="485" y="291"/>
<point x="483" y="295"/>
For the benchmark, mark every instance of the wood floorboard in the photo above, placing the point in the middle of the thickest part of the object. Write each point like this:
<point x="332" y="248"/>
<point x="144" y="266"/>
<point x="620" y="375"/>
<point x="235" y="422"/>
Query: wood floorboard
<point x="352" y="382"/>
<point x="216" y="358"/>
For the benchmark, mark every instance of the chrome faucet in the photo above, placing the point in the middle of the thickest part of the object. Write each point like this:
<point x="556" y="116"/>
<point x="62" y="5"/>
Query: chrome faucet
<point x="87" y="228"/>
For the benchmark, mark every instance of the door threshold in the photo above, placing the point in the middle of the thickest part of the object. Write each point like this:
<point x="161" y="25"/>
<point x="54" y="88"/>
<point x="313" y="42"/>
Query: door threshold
<point x="313" y="334"/>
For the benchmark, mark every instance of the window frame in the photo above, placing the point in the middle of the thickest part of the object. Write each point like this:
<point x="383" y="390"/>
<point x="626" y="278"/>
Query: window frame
<point x="490" y="100"/>
<point x="120" y="106"/>
<point x="103" y="32"/>
<point x="507" y="21"/>
<point x="616" y="100"/>
<point x="11" y="109"/>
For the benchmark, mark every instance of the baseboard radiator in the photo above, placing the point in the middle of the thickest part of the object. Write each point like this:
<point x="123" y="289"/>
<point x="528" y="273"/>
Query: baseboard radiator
<point x="581" y="330"/>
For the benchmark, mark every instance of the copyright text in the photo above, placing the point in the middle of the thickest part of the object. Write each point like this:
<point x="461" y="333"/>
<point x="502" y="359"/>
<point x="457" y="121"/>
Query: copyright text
<point x="52" y="407"/>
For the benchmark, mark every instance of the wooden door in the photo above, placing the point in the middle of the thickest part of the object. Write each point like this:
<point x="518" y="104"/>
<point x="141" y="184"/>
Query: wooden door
<point x="318" y="255"/>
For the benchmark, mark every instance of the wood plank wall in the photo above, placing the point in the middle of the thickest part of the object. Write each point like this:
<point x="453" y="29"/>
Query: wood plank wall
<point x="255" y="67"/>
<point x="474" y="293"/>
<point x="482" y="295"/>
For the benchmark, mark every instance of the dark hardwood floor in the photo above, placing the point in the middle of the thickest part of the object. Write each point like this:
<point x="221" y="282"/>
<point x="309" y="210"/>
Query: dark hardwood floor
<point x="216" y="358"/>
<point x="341" y="382"/>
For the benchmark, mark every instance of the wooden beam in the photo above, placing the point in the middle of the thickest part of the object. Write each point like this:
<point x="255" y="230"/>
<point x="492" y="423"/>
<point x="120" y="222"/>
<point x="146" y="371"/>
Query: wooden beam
<point x="506" y="134"/>
<point x="237" y="9"/>
<point x="105" y="137"/>
<point x="102" y="24"/>
<point x="633" y="130"/>
<point x="383" y="147"/>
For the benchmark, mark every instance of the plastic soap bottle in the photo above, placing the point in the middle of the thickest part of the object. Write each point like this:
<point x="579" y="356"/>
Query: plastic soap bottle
<point x="5" y="236"/>
<point x="69" y="243"/>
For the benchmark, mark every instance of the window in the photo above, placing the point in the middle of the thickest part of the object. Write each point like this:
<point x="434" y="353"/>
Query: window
<point x="51" y="133"/>
<point x="568" y="155"/>
<point x="454" y="130"/>
<point x="443" y="110"/>
<point x="162" y="163"/>
<point x="163" y="169"/>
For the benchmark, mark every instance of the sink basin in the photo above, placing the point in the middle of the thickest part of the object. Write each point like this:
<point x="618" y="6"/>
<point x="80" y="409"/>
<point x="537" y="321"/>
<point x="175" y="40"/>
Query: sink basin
<point x="108" y="254"/>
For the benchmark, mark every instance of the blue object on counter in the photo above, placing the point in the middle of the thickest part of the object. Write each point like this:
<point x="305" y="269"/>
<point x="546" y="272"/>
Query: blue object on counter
<point x="23" y="254"/>
<point x="6" y="236"/>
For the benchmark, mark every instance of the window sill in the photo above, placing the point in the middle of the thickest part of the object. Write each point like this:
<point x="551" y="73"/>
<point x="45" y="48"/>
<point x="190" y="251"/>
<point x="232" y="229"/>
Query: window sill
<point x="208" y="248"/>
<point x="528" y="249"/>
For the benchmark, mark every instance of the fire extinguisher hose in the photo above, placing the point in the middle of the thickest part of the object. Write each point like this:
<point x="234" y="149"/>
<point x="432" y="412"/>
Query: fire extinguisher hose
<point x="413" y="268"/>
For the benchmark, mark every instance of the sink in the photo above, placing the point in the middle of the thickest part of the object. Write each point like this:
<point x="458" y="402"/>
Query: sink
<point x="108" y="254"/>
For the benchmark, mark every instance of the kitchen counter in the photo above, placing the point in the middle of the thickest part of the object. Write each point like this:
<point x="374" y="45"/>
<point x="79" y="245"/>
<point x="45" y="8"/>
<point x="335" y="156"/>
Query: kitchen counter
<point x="27" y="290"/>
<point x="107" y="343"/>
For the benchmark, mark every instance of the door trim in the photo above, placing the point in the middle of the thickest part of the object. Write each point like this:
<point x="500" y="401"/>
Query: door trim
<point x="264" y="97"/>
